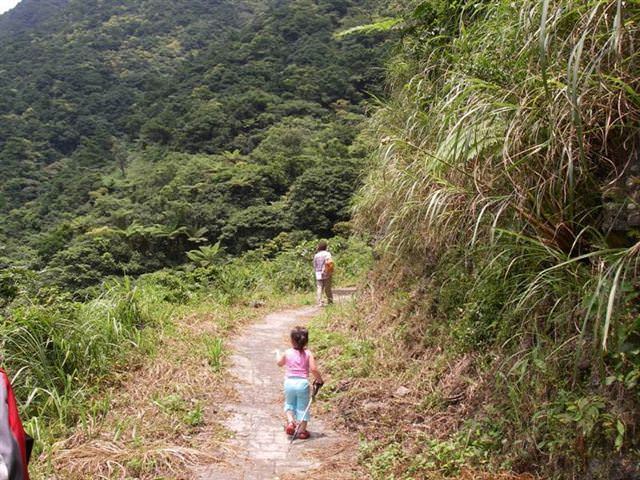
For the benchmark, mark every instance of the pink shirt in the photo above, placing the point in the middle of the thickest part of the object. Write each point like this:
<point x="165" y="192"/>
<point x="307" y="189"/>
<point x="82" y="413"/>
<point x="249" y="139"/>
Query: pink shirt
<point x="296" y="363"/>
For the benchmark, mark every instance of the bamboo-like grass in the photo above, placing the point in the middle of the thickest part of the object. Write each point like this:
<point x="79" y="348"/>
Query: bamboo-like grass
<point x="58" y="353"/>
<point x="514" y="132"/>
<point x="498" y="146"/>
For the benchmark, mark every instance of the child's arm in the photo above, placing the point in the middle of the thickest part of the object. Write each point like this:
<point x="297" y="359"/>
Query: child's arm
<point x="313" y="366"/>
<point x="280" y="358"/>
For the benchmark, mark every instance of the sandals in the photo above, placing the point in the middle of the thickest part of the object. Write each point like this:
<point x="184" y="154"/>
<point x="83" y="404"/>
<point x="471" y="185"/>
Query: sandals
<point x="290" y="429"/>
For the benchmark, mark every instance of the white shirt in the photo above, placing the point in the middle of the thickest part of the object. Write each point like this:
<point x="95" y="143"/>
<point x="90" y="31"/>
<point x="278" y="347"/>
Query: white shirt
<point x="319" y="260"/>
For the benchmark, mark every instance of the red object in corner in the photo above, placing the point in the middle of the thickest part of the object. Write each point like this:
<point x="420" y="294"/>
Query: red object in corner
<point x="14" y="422"/>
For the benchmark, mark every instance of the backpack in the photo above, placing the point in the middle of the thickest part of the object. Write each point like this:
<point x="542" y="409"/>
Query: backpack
<point x="329" y="267"/>
<point x="12" y="433"/>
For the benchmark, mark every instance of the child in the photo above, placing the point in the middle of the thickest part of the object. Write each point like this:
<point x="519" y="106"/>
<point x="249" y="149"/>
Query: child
<point x="298" y="361"/>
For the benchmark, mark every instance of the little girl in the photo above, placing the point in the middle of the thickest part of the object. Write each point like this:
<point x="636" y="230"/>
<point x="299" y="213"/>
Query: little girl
<point x="298" y="361"/>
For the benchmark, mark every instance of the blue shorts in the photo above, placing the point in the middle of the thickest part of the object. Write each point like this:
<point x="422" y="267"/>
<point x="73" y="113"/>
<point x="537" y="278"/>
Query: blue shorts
<point x="296" y="397"/>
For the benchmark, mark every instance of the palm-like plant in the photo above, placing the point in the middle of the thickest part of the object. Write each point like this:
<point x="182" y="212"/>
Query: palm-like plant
<point x="206" y="255"/>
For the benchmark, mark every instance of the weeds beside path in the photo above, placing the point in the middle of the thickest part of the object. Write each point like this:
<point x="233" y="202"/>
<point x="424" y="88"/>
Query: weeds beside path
<point x="162" y="418"/>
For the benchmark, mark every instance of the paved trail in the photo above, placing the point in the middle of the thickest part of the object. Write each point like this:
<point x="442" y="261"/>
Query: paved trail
<point x="259" y="447"/>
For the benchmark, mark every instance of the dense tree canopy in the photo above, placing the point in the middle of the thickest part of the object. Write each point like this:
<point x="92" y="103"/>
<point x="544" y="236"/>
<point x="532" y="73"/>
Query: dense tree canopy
<point x="163" y="115"/>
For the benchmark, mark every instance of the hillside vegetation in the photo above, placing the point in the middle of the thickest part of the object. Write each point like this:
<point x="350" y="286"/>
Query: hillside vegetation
<point x="159" y="159"/>
<point x="136" y="132"/>
<point x="163" y="158"/>
<point x="502" y="200"/>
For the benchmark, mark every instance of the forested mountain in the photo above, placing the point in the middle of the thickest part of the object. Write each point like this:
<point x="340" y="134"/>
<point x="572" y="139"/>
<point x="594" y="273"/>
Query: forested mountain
<point x="28" y="15"/>
<point x="159" y="155"/>
<point x="131" y="132"/>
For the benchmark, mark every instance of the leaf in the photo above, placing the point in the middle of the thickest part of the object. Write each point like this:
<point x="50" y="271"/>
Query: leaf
<point x="610" y="380"/>
<point x="543" y="44"/>
<point x="384" y="25"/>
<point x="620" y="436"/>
<point x="422" y="10"/>
<point x="610" y="305"/>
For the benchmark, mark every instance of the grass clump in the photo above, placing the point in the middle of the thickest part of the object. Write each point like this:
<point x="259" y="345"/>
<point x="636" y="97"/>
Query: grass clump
<point x="191" y="413"/>
<point x="58" y="352"/>
<point x="346" y="355"/>
<point x="215" y="353"/>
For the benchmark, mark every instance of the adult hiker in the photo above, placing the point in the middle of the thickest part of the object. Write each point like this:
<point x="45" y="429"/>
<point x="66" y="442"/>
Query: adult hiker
<point x="323" y="268"/>
<point x="13" y="451"/>
<point x="298" y="362"/>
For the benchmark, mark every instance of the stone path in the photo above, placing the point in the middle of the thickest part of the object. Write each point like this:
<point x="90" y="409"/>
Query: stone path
<point x="260" y="448"/>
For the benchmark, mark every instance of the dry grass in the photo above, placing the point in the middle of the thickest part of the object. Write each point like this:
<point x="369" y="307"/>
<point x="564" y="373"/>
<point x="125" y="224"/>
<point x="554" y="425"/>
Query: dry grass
<point x="476" y="475"/>
<point x="163" y="418"/>
<point x="409" y="394"/>
<point x="338" y="463"/>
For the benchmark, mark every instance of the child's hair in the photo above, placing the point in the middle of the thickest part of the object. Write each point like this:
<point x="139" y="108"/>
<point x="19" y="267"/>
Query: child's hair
<point x="322" y="245"/>
<point x="299" y="338"/>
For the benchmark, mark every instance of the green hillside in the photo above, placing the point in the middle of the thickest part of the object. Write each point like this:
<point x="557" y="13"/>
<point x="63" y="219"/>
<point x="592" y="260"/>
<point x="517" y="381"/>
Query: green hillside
<point x="133" y="126"/>
<point x="159" y="159"/>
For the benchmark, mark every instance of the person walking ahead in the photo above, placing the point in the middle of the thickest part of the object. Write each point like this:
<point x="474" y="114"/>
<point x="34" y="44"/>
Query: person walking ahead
<point x="323" y="268"/>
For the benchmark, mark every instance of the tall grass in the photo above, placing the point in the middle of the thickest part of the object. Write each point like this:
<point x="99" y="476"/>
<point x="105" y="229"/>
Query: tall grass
<point x="513" y="134"/>
<point x="503" y="139"/>
<point x="58" y="351"/>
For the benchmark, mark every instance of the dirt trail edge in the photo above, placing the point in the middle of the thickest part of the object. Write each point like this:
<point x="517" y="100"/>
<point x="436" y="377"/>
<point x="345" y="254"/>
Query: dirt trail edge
<point x="259" y="448"/>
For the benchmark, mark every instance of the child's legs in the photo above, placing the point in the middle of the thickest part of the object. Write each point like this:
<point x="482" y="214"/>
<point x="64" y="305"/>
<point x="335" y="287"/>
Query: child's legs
<point x="296" y="399"/>
<point x="290" y="399"/>
<point x="302" y="402"/>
